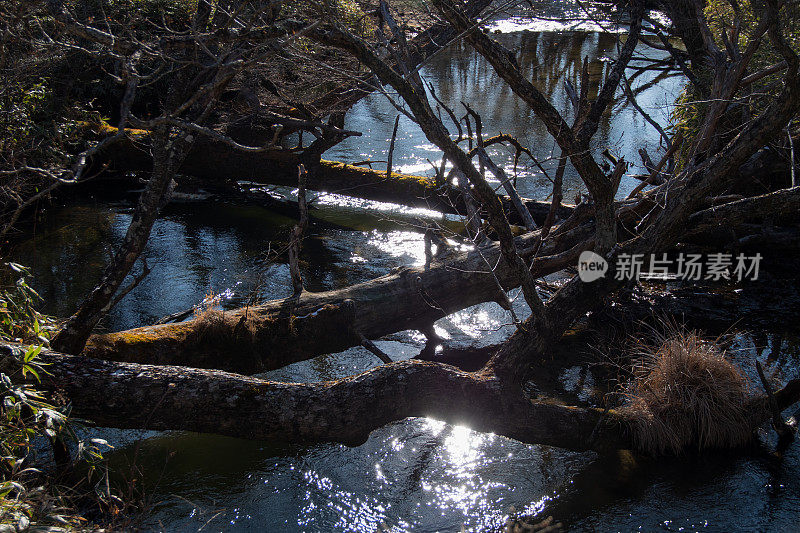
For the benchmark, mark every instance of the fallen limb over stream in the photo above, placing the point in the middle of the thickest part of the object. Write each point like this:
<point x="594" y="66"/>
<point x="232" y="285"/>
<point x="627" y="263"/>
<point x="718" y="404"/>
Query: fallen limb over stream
<point x="129" y="395"/>
<point x="214" y="161"/>
<point x="493" y="399"/>
<point x="280" y="332"/>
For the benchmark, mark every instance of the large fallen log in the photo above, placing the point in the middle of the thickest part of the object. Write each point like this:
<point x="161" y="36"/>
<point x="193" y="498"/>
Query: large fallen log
<point x="128" y="395"/>
<point x="778" y="206"/>
<point x="280" y="332"/>
<point x="215" y="161"/>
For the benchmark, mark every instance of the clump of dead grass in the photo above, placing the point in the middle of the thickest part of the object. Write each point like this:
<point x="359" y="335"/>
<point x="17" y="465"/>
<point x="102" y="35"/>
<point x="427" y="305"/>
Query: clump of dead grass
<point x="220" y="329"/>
<point x="685" y="394"/>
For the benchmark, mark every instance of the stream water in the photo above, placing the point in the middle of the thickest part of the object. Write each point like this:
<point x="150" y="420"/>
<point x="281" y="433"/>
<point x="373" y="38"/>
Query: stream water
<point x="418" y="474"/>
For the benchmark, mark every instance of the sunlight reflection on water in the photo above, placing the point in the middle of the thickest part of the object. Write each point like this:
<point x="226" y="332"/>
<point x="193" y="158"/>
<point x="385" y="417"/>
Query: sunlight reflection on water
<point x="465" y="491"/>
<point x="405" y="245"/>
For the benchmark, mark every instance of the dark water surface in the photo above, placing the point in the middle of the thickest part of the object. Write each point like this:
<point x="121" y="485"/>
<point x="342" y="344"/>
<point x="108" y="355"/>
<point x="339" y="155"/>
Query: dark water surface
<point x="418" y="474"/>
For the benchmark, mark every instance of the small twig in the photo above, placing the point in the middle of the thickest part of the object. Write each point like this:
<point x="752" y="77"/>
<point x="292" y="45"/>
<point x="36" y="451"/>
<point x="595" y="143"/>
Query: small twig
<point x="676" y="143"/>
<point x="791" y="156"/>
<point x="132" y="285"/>
<point x="473" y="222"/>
<point x="428" y="249"/>
<point x="783" y="430"/>
<point x="573" y="95"/>
<point x="626" y="86"/>
<point x="175" y="317"/>
<point x="369" y="345"/>
<point x="772" y="69"/>
<point x="558" y="196"/>
<point x="391" y="148"/>
<point x="646" y="160"/>
<point x="297" y="233"/>
<point x="516" y="200"/>
<point x="449" y="111"/>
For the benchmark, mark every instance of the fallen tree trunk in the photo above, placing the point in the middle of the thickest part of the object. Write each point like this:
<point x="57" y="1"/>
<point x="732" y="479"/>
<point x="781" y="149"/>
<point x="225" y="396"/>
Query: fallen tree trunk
<point x="280" y="332"/>
<point x="216" y="161"/>
<point x="178" y="398"/>
<point x="346" y="410"/>
<point x="779" y="206"/>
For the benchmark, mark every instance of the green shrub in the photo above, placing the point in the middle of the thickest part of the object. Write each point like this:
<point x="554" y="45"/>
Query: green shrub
<point x="19" y="319"/>
<point x="29" y="416"/>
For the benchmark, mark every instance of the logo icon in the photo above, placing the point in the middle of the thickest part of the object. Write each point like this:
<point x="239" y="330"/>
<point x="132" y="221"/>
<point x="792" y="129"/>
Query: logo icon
<point x="591" y="266"/>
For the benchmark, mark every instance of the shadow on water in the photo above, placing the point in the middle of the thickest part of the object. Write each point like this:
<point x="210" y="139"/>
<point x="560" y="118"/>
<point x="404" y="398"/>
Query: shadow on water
<point x="724" y="491"/>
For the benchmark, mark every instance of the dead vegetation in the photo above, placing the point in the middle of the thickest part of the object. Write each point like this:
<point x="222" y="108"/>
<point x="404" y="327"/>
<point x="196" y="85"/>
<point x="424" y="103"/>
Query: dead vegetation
<point x="686" y="394"/>
<point x="231" y="331"/>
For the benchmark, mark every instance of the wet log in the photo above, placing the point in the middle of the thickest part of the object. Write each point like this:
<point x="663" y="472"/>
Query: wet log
<point x="779" y="206"/>
<point x="280" y="332"/>
<point x="217" y="162"/>
<point x="134" y="396"/>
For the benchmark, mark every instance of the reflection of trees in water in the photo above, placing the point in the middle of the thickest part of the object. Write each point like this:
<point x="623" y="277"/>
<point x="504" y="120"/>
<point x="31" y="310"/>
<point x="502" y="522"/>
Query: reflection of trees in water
<point x="550" y="58"/>
<point x="66" y="255"/>
<point x="459" y="74"/>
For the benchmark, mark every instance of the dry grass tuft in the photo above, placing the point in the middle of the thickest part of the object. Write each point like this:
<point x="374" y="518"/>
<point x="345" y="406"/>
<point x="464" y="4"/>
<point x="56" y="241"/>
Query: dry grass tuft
<point x="219" y="329"/>
<point x="686" y="394"/>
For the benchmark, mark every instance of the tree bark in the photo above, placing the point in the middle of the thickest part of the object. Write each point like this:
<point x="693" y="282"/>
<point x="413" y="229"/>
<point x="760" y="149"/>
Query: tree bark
<point x="72" y="337"/>
<point x="345" y="410"/>
<point x="215" y="161"/>
<point x="280" y="332"/>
